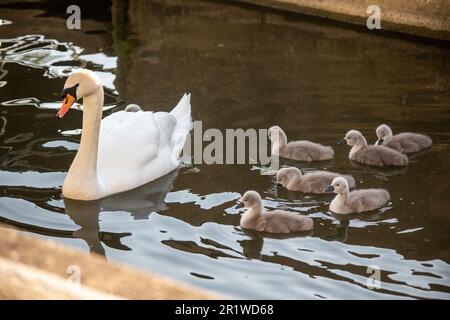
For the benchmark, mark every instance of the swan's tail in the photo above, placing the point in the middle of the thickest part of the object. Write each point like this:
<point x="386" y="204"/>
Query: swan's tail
<point x="182" y="112"/>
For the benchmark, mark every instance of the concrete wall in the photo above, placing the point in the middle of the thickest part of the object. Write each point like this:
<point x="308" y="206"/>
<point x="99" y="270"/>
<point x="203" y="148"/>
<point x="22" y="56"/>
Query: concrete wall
<point x="31" y="268"/>
<point x="429" y="18"/>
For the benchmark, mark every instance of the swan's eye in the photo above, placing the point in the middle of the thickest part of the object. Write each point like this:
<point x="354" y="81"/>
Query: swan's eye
<point x="337" y="185"/>
<point x="245" y="200"/>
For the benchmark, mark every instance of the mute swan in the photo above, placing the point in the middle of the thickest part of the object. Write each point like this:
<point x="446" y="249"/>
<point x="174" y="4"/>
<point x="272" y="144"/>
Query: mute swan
<point x="124" y="150"/>
<point x="276" y="221"/>
<point x="313" y="182"/>
<point x="301" y="150"/>
<point x="372" y="155"/>
<point x="356" y="201"/>
<point x="405" y="142"/>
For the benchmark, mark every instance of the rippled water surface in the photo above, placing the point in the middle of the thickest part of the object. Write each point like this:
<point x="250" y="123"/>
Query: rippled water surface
<point x="245" y="68"/>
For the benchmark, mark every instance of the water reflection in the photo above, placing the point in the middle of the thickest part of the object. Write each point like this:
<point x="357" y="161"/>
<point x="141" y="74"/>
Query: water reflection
<point x="140" y="203"/>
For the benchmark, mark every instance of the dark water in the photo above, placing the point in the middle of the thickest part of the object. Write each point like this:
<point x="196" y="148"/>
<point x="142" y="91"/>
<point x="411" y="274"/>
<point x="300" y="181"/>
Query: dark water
<point x="245" y="68"/>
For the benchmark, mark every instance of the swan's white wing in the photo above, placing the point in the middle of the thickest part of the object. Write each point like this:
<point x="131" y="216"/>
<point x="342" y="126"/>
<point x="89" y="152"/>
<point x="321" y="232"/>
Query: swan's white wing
<point x="138" y="147"/>
<point x="128" y="143"/>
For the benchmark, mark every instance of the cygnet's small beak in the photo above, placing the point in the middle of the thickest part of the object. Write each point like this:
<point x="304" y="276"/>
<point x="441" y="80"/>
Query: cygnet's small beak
<point x="379" y="142"/>
<point x="329" y="189"/>
<point x="240" y="205"/>
<point x="279" y="186"/>
<point x="341" y="142"/>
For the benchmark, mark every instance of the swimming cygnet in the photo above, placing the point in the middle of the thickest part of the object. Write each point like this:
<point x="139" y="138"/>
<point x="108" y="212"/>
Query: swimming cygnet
<point x="297" y="150"/>
<point x="405" y="142"/>
<point x="133" y="108"/>
<point x="356" y="201"/>
<point x="313" y="182"/>
<point x="276" y="221"/>
<point x="372" y="155"/>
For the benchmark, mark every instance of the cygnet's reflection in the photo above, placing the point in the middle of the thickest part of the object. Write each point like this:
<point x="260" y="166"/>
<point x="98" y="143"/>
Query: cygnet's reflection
<point x="252" y="247"/>
<point x="140" y="203"/>
<point x="342" y="227"/>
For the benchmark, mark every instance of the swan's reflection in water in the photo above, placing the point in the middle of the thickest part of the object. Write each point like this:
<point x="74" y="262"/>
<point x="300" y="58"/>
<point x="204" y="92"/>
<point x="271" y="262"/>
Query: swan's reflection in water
<point x="140" y="203"/>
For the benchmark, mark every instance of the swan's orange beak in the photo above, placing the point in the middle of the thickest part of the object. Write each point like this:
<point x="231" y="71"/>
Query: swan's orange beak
<point x="67" y="103"/>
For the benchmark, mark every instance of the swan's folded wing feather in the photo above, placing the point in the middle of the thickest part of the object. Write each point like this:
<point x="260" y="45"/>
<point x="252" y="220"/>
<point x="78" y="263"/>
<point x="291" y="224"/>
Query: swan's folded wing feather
<point x="127" y="143"/>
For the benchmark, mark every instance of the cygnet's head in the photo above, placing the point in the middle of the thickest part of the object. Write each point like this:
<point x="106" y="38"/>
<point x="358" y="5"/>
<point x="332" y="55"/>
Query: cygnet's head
<point x="79" y="84"/>
<point x="133" y="108"/>
<point x="339" y="185"/>
<point x="352" y="137"/>
<point x="250" y="199"/>
<point x="384" y="134"/>
<point x="286" y="175"/>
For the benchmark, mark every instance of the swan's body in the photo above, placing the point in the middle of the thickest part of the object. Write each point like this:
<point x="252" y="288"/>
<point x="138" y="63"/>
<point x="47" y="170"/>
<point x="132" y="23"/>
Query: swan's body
<point x="124" y="150"/>
<point x="301" y="150"/>
<point x="313" y="182"/>
<point x="276" y="221"/>
<point x="356" y="201"/>
<point x="379" y="156"/>
<point x="405" y="142"/>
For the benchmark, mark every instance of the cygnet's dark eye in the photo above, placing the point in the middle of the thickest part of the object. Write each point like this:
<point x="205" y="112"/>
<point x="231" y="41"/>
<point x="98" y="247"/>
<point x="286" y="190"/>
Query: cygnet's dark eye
<point x="337" y="184"/>
<point x="245" y="200"/>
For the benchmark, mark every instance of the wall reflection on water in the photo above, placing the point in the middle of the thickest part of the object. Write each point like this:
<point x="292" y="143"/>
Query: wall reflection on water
<point x="245" y="68"/>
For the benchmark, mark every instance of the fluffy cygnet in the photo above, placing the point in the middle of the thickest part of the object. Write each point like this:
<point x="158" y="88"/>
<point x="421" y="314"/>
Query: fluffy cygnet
<point x="405" y="142"/>
<point x="297" y="150"/>
<point x="313" y="182"/>
<point x="133" y="108"/>
<point x="380" y="156"/>
<point x="276" y="221"/>
<point x="356" y="201"/>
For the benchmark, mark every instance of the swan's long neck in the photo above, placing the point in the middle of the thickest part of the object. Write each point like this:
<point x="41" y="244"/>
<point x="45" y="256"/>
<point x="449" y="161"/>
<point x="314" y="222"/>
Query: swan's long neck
<point x="360" y="144"/>
<point x="82" y="179"/>
<point x="342" y="197"/>
<point x="279" y="141"/>
<point x="388" y="138"/>
<point x="251" y="214"/>
<point x="92" y="116"/>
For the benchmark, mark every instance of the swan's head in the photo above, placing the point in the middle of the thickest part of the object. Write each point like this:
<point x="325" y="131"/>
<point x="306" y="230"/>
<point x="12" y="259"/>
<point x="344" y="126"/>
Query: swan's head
<point x="384" y="134"/>
<point x="339" y="185"/>
<point x="274" y="133"/>
<point x="250" y="199"/>
<point x="286" y="175"/>
<point x="352" y="138"/>
<point x="79" y="84"/>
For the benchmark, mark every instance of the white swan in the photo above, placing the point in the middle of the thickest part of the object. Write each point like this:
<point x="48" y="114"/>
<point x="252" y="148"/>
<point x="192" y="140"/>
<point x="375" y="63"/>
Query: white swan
<point x="124" y="150"/>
